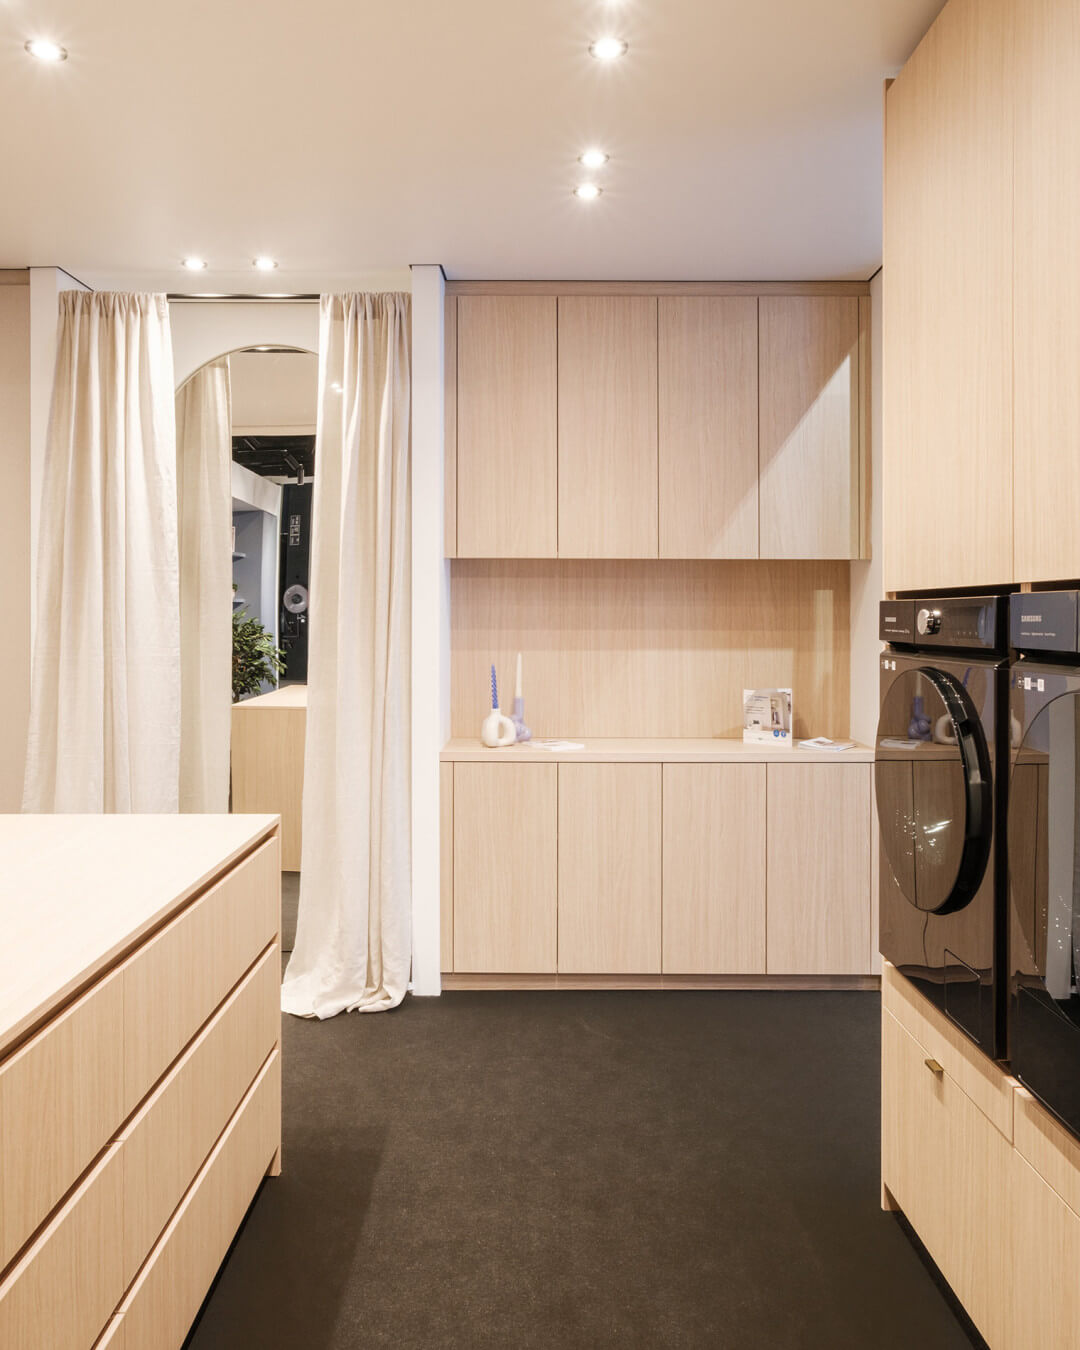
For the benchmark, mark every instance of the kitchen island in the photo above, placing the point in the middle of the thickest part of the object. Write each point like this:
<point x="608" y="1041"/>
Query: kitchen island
<point x="139" y="1067"/>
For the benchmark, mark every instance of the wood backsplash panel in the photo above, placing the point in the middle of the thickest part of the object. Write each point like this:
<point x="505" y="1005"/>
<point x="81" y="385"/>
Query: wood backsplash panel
<point x="650" y="648"/>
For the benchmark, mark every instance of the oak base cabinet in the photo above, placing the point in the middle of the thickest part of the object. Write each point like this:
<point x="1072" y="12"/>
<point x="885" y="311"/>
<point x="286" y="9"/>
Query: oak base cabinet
<point x="653" y="869"/>
<point x="818" y="830"/>
<point x="714" y="868"/>
<point x="505" y="821"/>
<point x="609" y="868"/>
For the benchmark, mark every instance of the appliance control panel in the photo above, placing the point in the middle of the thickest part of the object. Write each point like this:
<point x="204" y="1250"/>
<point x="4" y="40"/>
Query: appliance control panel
<point x="896" y="621"/>
<point x="1045" y="621"/>
<point x="958" y="621"/>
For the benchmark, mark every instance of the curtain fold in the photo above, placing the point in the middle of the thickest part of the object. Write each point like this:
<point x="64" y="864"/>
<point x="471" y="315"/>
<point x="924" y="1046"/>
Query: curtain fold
<point x="204" y="506"/>
<point x="354" y="931"/>
<point x="105" y="705"/>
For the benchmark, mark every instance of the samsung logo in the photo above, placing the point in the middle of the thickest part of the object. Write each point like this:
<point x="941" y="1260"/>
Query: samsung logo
<point x="1031" y="618"/>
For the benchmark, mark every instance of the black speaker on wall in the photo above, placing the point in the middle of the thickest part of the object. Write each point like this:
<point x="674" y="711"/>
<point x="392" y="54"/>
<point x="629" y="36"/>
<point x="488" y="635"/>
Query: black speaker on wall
<point x="295" y="573"/>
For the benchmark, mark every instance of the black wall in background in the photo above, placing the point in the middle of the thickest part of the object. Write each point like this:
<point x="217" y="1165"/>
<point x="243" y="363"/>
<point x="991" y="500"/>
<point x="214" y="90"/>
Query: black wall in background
<point x="295" y="570"/>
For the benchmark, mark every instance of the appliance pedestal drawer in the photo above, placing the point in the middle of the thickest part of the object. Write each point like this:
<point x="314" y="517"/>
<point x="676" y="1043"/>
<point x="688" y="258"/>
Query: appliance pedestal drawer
<point x="945" y="1163"/>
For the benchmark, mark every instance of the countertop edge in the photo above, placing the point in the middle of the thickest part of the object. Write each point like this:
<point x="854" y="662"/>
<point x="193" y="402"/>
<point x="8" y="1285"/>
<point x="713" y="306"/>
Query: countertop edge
<point x="662" y="752"/>
<point x="15" y="1033"/>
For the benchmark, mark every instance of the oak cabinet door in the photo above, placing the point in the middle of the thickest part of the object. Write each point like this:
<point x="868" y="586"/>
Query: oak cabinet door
<point x="708" y="426"/>
<point x="1046" y="481"/>
<point x="505" y="869"/>
<point x="609" y="868"/>
<point x="714" y="869"/>
<point x="818" y="894"/>
<point x="809" y="447"/>
<point x="507" y="465"/>
<point x="947" y="305"/>
<point x="607" y="427"/>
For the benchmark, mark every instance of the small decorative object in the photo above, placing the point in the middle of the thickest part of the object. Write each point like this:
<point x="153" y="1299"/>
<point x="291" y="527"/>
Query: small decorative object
<point x="523" y="732"/>
<point x="496" y="728"/>
<point x="919" y="726"/>
<point x="767" y="717"/>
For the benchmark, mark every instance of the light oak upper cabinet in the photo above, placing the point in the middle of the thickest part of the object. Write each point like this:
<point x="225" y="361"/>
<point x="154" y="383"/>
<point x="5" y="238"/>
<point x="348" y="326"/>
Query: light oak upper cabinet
<point x="1046" y="482"/>
<point x="609" y="868"/>
<point x="947" y="303"/>
<point x="507" y="400"/>
<point x="708" y="426"/>
<point x="818" y="893"/>
<point x="809" y="449"/>
<point x="607" y="427"/>
<point x="505" y="867"/>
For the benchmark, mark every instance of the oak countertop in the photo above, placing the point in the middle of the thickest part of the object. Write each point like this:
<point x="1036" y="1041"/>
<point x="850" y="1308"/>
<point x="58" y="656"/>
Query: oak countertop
<point x="715" y="750"/>
<point x="77" y="892"/>
<point x="288" y="696"/>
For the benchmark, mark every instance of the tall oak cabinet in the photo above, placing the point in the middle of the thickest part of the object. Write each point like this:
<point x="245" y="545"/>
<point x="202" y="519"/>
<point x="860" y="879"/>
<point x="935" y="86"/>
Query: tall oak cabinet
<point x="981" y="324"/>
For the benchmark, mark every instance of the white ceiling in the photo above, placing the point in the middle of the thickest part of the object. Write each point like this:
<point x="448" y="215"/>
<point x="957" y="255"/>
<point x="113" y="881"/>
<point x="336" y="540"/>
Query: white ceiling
<point x="352" y="139"/>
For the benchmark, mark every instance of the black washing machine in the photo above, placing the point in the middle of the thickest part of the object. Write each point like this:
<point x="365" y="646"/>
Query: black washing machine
<point x="1044" y="850"/>
<point x="939" y="803"/>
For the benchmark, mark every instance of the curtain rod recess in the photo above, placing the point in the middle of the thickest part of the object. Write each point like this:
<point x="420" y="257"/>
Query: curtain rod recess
<point x="174" y="297"/>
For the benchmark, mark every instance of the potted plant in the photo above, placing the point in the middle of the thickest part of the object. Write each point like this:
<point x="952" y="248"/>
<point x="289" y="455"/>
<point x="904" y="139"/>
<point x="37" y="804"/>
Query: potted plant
<point x="255" y="659"/>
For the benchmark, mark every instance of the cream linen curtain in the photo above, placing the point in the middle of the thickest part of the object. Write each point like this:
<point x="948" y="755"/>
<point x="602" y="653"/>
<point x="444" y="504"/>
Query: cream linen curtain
<point x="204" y="502"/>
<point x="105" y="703"/>
<point x="353" y="939"/>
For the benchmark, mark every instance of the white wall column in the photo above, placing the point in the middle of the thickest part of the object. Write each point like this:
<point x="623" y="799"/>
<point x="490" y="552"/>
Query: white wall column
<point x="430" y="620"/>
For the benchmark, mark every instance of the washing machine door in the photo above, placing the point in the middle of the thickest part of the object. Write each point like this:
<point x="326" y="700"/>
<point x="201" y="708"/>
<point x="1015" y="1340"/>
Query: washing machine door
<point x="934" y="789"/>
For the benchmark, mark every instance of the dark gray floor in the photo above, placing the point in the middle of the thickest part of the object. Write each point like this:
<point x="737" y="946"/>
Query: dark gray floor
<point x="581" y="1170"/>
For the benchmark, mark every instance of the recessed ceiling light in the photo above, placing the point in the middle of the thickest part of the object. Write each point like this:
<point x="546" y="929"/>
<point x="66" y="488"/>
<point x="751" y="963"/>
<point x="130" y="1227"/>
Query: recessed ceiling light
<point x="593" y="159"/>
<point x="264" y="264"/>
<point x="587" y="192"/>
<point x="608" y="48"/>
<point x="46" y="50"/>
<point x="194" y="264"/>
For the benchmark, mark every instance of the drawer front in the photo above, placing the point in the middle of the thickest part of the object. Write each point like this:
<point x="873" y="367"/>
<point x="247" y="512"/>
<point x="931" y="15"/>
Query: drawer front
<point x="174" y="983"/>
<point x="174" y="1131"/>
<point x="159" y="1309"/>
<point x="944" y="1163"/>
<point x="1044" y="1302"/>
<point x="992" y="1091"/>
<point x="61" y="1101"/>
<point x="1049" y="1148"/>
<point x="65" y="1287"/>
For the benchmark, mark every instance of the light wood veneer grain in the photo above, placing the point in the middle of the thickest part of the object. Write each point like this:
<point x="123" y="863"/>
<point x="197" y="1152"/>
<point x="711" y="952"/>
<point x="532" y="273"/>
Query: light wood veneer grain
<point x="660" y="649"/>
<point x="174" y="983"/>
<point x="948" y="305"/>
<point x="507" y="407"/>
<point x="708" y="426"/>
<point x="610" y="879"/>
<point x="714" y="868"/>
<point x="505" y="867"/>
<point x="810" y="435"/>
<point x="607" y="437"/>
<point x="818" y="894"/>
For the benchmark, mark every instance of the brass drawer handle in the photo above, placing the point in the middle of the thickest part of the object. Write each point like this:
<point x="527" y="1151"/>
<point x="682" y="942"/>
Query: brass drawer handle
<point x="934" y="1067"/>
